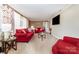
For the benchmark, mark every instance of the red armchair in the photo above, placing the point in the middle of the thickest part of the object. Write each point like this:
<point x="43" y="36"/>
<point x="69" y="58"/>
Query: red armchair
<point x="23" y="35"/>
<point x="38" y="30"/>
<point x="68" y="45"/>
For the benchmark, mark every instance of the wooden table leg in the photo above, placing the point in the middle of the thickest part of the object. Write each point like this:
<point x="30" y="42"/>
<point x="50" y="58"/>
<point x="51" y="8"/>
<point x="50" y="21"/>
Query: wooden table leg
<point x="38" y="35"/>
<point x="14" y="44"/>
<point x="3" y="46"/>
<point x="7" y="46"/>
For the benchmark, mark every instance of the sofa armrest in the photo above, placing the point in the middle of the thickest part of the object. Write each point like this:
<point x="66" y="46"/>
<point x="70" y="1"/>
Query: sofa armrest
<point x="54" y="50"/>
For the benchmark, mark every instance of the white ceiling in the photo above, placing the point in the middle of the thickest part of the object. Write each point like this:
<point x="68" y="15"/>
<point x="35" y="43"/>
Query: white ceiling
<point x="38" y="12"/>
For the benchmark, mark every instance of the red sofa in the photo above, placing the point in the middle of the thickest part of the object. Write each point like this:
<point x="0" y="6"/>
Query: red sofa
<point x="68" y="45"/>
<point x="23" y="35"/>
<point x="39" y="29"/>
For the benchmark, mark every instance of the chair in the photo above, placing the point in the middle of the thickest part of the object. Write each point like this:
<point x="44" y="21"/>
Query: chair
<point x="39" y="30"/>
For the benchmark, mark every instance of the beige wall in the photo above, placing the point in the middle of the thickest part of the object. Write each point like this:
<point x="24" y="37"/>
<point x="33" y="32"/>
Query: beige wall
<point x="69" y="23"/>
<point x="36" y="23"/>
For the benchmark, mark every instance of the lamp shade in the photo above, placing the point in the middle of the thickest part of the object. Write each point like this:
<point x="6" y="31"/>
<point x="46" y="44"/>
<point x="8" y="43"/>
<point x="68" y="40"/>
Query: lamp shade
<point x="32" y="27"/>
<point x="5" y="27"/>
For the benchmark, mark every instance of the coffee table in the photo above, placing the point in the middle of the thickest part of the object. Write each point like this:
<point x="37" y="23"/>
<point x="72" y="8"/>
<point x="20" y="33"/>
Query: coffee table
<point x="42" y="35"/>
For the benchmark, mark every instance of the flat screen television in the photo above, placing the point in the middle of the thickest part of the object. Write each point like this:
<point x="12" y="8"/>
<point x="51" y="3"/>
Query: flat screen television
<point x="56" y="20"/>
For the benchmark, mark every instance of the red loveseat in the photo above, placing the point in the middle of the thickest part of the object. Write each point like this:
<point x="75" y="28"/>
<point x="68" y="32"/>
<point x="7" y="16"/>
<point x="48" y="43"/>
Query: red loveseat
<point x="39" y="29"/>
<point x="23" y="35"/>
<point x="68" y="45"/>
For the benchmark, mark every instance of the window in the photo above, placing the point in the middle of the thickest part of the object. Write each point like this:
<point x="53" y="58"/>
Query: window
<point x="16" y="20"/>
<point x="10" y="16"/>
<point x="46" y="24"/>
<point x="23" y="22"/>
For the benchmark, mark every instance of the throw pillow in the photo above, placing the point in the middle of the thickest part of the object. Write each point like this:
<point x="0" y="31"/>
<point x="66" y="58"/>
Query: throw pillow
<point x="29" y="30"/>
<point x="24" y="31"/>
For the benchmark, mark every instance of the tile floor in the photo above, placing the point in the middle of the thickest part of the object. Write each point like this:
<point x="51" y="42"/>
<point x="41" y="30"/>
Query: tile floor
<point x="35" y="46"/>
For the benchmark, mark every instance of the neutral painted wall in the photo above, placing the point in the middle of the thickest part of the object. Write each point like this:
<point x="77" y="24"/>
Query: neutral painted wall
<point x="69" y="23"/>
<point x="36" y="23"/>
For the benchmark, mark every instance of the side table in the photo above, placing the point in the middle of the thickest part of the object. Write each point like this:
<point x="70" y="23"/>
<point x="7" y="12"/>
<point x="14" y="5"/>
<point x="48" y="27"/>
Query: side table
<point x="7" y="45"/>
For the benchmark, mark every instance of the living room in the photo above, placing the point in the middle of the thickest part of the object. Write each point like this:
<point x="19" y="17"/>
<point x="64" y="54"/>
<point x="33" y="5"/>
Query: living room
<point x="39" y="29"/>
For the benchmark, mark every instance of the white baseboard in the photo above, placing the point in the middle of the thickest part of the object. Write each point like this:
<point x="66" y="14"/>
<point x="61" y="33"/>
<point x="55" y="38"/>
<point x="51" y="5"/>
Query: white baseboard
<point x="56" y="36"/>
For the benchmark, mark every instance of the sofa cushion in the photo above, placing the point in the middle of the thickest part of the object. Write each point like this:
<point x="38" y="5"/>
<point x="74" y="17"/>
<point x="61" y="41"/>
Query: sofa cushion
<point x="71" y="40"/>
<point x="77" y="44"/>
<point x="18" y="31"/>
<point x="66" y="48"/>
<point x="29" y="34"/>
